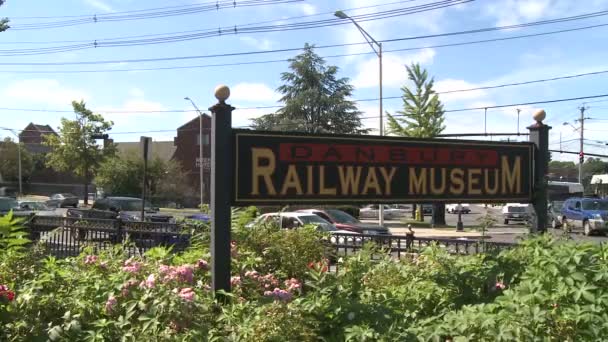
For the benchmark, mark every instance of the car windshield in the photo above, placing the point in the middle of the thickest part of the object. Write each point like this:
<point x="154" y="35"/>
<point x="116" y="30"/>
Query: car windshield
<point x="128" y="204"/>
<point x="66" y="195"/>
<point x="311" y="219"/>
<point x="517" y="209"/>
<point x="34" y="206"/>
<point x="341" y="217"/>
<point x="7" y="204"/>
<point x="595" y="205"/>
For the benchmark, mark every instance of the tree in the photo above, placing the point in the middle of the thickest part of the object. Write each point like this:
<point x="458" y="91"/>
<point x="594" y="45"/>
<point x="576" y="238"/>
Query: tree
<point x="123" y="175"/>
<point x="4" y="21"/>
<point x="9" y="161"/>
<point x="421" y="117"/>
<point x="315" y="99"/>
<point x="75" y="149"/>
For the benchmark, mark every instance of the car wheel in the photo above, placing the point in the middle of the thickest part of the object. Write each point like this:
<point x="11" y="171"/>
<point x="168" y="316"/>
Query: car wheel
<point x="587" y="228"/>
<point x="506" y="221"/>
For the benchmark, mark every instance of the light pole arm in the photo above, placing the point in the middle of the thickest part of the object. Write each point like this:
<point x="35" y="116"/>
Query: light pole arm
<point x="367" y="37"/>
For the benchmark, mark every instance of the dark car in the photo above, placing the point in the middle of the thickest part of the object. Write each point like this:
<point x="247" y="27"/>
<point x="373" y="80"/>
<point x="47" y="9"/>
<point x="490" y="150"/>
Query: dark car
<point x="344" y="221"/>
<point x="7" y="204"/>
<point x="129" y="209"/>
<point x="62" y="201"/>
<point x="554" y="214"/>
<point x="427" y="209"/>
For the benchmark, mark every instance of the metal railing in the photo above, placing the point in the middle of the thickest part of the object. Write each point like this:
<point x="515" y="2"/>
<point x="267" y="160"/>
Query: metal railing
<point x="66" y="236"/>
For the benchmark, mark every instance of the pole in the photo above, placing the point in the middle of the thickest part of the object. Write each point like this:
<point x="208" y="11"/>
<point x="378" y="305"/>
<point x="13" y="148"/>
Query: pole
<point x="539" y="135"/>
<point x="221" y="183"/>
<point x="381" y="128"/>
<point x="485" y="121"/>
<point x="145" y="141"/>
<point x="19" y="156"/>
<point x="200" y="157"/>
<point x="518" y="111"/>
<point x="581" y="156"/>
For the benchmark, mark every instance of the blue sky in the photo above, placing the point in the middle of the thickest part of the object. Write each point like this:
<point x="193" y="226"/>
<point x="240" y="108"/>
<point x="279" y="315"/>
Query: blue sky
<point x="253" y="85"/>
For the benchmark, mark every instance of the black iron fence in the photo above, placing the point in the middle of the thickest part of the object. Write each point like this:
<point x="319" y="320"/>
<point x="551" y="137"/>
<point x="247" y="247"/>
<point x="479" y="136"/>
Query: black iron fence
<point x="66" y="236"/>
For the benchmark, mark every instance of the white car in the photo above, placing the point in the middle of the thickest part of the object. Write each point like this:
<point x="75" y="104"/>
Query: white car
<point x="516" y="212"/>
<point x="458" y="208"/>
<point x="371" y="212"/>
<point x="289" y="220"/>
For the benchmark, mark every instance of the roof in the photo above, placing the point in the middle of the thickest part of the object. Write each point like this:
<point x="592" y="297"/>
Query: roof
<point x="195" y="119"/>
<point x="159" y="149"/>
<point x="40" y="128"/>
<point x="599" y="179"/>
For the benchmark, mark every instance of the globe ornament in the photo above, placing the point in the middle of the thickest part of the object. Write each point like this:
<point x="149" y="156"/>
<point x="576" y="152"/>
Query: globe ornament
<point x="539" y="116"/>
<point x="222" y="93"/>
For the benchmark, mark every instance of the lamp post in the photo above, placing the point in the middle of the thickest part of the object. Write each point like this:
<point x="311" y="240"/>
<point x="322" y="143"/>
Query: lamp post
<point x="200" y="147"/>
<point x="18" y="157"/>
<point x="378" y="51"/>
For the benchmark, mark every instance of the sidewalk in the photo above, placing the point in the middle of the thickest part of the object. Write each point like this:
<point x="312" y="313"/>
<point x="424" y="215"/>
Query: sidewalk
<point x="430" y="232"/>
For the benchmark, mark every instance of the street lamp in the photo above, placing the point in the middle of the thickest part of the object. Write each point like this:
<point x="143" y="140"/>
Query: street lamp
<point x="200" y="147"/>
<point x="378" y="50"/>
<point x="19" y="157"/>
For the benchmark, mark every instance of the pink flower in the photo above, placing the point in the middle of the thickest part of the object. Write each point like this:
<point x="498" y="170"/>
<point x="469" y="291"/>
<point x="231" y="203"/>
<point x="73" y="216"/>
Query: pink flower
<point x="252" y="274"/>
<point x="234" y="281"/>
<point x="3" y="288"/>
<point x="110" y="303"/>
<point x="206" y="287"/>
<point x="202" y="264"/>
<point x="500" y="286"/>
<point x="131" y="266"/>
<point x="90" y="259"/>
<point x="150" y="281"/>
<point x="292" y="284"/>
<point x="6" y="293"/>
<point x="103" y="264"/>
<point x="185" y="273"/>
<point x="279" y="294"/>
<point x="186" y="294"/>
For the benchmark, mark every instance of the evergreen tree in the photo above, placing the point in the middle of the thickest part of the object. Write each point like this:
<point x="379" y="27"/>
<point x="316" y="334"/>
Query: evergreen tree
<point x="315" y="99"/>
<point x="421" y="117"/>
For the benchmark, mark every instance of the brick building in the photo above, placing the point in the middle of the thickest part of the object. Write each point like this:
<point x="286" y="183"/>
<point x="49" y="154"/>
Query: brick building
<point x="32" y="137"/>
<point x="187" y="152"/>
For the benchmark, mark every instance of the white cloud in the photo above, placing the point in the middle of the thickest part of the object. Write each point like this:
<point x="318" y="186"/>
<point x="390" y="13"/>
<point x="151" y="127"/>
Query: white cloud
<point x="136" y="92"/>
<point x="262" y="44"/>
<point x="253" y="92"/>
<point x="509" y="12"/>
<point x="100" y="5"/>
<point x="242" y="117"/>
<point x="308" y="9"/>
<point x="393" y="69"/>
<point x="46" y="91"/>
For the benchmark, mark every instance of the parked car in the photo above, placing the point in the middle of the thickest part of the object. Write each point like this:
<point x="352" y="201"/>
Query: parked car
<point x="344" y="221"/>
<point x="554" y="214"/>
<point x="458" y="208"/>
<point x="427" y="209"/>
<point x="371" y="212"/>
<point x="515" y="212"/>
<point x="400" y="210"/>
<point x="294" y="220"/>
<point x="7" y="204"/>
<point x="199" y="217"/>
<point x="37" y="208"/>
<point x="63" y="200"/>
<point x="129" y="209"/>
<point x="590" y="214"/>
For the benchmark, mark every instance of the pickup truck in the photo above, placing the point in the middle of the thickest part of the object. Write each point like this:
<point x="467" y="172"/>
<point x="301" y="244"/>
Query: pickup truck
<point x="590" y="214"/>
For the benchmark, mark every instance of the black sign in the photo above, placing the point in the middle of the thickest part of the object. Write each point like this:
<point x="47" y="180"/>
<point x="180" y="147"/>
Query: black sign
<point x="281" y="168"/>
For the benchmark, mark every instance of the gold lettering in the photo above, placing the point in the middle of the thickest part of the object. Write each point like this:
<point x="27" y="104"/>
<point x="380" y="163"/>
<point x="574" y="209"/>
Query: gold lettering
<point x="257" y="154"/>
<point x="511" y="178"/>
<point x="388" y="178"/>
<point x="322" y="189"/>
<point x="491" y="190"/>
<point x="474" y="181"/>
<point x="457" y="180"/>
<point x="292" y="180"/>
<point x="371" y="181"/>
<point x="349" y="180"/>
<point x="434" y="189"/>
<point x="309" y="180"/>
<point x="417" y="182"/>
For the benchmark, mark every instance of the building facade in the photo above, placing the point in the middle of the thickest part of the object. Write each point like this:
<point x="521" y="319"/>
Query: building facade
<point x="187" y="144"/>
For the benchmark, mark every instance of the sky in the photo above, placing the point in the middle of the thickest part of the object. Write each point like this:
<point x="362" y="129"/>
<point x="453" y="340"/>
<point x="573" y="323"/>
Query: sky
<point x="44" y="90"/>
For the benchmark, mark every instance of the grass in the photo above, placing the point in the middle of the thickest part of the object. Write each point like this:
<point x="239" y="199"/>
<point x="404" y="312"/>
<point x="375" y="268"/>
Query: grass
<point x="182" y="211"/>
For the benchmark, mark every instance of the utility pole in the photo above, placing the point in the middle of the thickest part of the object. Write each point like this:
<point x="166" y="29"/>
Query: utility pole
<point x="582" y="140"/>
<point x="518" y="111"/>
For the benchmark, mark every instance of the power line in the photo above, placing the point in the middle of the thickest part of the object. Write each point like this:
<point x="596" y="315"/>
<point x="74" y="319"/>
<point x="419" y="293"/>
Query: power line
<point x="119" y="42"/>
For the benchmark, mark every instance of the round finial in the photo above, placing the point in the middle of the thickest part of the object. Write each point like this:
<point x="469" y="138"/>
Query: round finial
<point x="222" y="92"/>
<point x="539" y="115"/>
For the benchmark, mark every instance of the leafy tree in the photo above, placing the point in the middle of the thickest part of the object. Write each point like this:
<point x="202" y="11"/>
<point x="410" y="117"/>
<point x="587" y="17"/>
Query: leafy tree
<point x="9" y="161"/>
<point x="75" y="149"/>
<point x="315" y="99"/>
<point x="421" y="117"/>
<point x="4" y="21"/>
<point x="123" y="175"/>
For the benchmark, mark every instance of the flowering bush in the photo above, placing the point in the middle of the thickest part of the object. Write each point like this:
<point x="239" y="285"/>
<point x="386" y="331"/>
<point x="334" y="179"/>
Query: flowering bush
<point x="542" y="290"/>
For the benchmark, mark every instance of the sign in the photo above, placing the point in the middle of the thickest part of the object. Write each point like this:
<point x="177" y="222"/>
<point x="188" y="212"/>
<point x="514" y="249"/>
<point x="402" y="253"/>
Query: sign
<point x="145" y="144"/>
<point x="206" y="163"/>
<point x="282" y="168"/>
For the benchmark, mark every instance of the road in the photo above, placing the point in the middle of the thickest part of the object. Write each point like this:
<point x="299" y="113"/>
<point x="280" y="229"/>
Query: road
<point x="499" y="232"/>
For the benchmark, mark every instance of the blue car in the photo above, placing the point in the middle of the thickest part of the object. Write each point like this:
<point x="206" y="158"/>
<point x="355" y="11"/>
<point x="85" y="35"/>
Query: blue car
<point x="590" y="214"/>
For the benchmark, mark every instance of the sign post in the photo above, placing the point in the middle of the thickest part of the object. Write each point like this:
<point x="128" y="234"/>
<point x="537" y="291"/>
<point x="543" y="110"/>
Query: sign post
<point x="539" y="135"/>
<point x="221" y="183"/>
<point x="145" y="147"/>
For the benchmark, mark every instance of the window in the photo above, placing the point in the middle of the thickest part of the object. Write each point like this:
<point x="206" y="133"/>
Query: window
<point x="578" y="205"/>
<point x="206" y="139"/>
